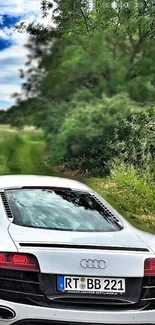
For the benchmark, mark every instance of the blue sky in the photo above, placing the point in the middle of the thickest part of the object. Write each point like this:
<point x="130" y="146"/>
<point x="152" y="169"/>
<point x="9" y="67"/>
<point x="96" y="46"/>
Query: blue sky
<point x="12" y="51"/>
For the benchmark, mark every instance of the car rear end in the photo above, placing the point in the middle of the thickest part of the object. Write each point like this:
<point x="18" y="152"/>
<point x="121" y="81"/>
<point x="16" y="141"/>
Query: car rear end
<point x="73" y="275"/>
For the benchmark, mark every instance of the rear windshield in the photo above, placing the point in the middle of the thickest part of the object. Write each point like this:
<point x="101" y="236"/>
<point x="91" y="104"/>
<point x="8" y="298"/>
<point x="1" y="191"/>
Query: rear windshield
<point x="60" y="210"/>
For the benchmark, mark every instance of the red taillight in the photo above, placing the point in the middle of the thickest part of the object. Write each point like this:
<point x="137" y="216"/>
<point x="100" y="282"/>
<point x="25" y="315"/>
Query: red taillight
<point x="149" y="267"/>
<point x="19" y="261"/>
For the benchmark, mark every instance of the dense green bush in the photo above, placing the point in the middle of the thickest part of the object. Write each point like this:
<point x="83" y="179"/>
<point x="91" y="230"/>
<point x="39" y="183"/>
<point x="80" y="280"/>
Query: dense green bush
<point x="131" y="139"/>
<point x="135" y="138"/>
<point x="87" y="123"/>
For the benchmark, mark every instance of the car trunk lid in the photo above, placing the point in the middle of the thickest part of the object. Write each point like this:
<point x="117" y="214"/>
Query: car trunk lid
<point x="60" y="252"/>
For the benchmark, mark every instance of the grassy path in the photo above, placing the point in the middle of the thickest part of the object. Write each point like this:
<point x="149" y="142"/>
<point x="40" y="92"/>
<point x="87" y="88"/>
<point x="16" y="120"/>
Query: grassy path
<point x="21" y="153"/>
<point x="26" y="158"/>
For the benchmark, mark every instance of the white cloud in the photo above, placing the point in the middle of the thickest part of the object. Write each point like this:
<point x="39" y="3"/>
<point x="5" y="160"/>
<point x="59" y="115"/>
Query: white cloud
<point x="13" y="58"/>
<point x="6" y="33"/>
<point x="17" y="7"/>
<point x="3" y="34"/>
<point x="9" y="89"/>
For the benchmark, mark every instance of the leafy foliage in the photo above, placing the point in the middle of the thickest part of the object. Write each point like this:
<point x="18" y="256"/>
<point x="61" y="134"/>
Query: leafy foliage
<point x="93" y="83"/>
<point x="90" y="63"/>
<point x="132" y="141"/>
<point x="136" y="138"/>
<point x="94" y="16"/>
<point x="85" y="123"/>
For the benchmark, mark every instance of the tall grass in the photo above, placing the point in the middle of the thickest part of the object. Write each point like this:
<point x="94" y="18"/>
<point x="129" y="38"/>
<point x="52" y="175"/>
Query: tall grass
<point x="140" y="185"/>
<point x="131" y="192"/>
<point x="8" y="146"/>
<point x="21" y="153"/>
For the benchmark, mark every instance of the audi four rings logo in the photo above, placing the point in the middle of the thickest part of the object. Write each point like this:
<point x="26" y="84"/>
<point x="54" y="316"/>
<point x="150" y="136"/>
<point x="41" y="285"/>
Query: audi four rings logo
<point x="93" y="264"/>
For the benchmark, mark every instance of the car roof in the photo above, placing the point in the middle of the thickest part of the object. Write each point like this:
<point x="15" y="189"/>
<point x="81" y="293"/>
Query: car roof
<point x="14" y="181"/>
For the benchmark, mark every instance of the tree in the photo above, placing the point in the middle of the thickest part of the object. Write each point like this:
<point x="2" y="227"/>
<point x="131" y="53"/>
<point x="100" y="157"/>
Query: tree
<point x="92" y="63"/>
<point x="77" y="69"/>
<point x="95" y="16"/>
<point x="95" y="65"/>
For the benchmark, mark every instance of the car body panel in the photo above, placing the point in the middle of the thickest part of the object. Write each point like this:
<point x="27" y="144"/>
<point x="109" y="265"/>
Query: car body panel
<point x="67" y="262"/>
<point x="6" y="241"/>
<point x="78" y="316"/>
<point x="61" y="252"/>
<point x="147" y="238"/>
<point x="124" y="238"/>
<point x="17" y="181"/>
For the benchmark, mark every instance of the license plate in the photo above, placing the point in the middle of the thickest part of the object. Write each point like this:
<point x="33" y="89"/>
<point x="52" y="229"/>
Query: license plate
<point x="91" y="284"/>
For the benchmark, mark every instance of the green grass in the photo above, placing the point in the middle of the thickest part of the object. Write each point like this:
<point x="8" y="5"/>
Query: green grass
<point x="130" y="194"/>
<point x="21" y="152"/>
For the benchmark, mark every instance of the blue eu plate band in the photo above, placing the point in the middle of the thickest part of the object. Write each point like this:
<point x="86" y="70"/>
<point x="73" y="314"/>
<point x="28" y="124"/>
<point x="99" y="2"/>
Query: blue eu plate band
<point x="61" y="283"/>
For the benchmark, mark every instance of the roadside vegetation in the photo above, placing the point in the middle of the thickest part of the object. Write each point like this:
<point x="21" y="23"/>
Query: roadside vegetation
<point x="21" y="152"/>
<point x="130" y="194"/>
<point x="25" y="152"/>
<point x="93" y="96"/>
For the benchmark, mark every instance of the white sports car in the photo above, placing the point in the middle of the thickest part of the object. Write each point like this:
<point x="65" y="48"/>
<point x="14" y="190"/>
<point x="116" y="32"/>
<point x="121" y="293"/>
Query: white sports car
<point x="67" y="257"/>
